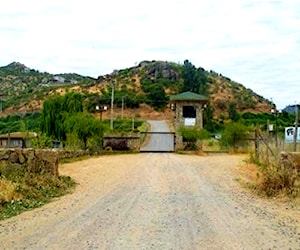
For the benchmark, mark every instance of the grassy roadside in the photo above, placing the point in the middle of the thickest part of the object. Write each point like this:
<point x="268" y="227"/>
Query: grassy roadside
<point x="21" y="191"/>
<point x="270" y="180"/>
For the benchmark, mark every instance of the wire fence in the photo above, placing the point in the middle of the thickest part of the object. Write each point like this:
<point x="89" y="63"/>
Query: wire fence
<point x="268" y="147"/>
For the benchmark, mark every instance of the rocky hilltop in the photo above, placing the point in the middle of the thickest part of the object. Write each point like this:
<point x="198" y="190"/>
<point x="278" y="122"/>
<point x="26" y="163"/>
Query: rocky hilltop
<point x="148" y="84"/>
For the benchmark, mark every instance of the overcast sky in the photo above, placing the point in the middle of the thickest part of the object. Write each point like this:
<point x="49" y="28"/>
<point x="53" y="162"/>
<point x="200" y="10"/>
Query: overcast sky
<point x="253" y="42"/>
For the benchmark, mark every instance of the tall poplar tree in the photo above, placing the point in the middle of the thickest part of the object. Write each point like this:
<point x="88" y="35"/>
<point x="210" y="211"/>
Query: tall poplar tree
<point x="55" y="111"/>
<point x="194" y="79"/>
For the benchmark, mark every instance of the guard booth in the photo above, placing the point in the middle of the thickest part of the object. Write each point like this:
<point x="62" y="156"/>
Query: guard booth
<point x="188" y="108"/>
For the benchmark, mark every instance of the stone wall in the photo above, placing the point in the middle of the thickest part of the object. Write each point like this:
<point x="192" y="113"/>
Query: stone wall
<point x="122" y="143"/>
<point x="33" y="160"/>
<point x="68" y="154"/>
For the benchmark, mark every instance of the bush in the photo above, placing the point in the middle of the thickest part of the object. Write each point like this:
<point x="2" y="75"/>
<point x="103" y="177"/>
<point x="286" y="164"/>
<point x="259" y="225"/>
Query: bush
<point x="277" y="179"/>
<point x="191" y="136"/>
<point x="42" y="141"/>
<point x="234" y="136"/>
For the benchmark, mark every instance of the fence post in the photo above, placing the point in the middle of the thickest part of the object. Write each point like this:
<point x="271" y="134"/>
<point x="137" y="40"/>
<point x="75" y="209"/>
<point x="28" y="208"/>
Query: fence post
<point x="256" y="142"/>
<point x="296" y="128"/>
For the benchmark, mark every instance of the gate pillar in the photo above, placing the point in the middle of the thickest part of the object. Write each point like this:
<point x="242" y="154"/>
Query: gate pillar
<point x="188" y="108"/>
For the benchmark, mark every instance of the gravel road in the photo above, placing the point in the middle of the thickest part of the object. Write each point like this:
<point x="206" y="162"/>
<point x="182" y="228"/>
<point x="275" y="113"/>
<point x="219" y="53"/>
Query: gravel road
<point x="163" y="142"/>
<point x="155" y="201"/>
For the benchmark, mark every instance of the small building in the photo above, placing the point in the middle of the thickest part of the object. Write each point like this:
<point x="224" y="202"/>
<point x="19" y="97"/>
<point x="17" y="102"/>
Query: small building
<point x="188" y="107"/>
<point x="17" y="139"/>
<point x="58" y="79"/>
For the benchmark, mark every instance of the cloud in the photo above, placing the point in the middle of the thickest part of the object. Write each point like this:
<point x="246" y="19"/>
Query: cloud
<point x="256" y="43"/>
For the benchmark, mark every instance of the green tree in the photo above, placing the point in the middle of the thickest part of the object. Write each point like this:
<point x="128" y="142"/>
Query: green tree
<point x="194" y="79"/>
<point x="72" y="102"/>
<point x="234" y="136"/>
<point x="157" y="97"/>
<point x="55" y="111"/>
<point x="51" y="117"/>
<point x="84" y="126"/>
<point x="201" y="79"/>
<point x="233" y="114"/>
<point x="189" y="75"/>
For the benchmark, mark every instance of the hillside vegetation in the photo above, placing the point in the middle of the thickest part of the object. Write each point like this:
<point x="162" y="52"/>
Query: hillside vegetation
<point x="150" y="82"/>
<point x="23" y="89"/>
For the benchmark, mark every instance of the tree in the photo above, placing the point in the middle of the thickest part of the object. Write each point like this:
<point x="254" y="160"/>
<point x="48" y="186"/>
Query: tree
<point x="201" y="80"/>
<point x="234" y="135"/>
<point x="157" y="97"/>
<point x="83" y="126"/>
<point x="51" y="117"/>
<point x="233" y="114"/>
<point x="189" y="75"/>
<point x="55" y="111"/>
<point x="194" y="79"/>
<point x="208" y="121"/>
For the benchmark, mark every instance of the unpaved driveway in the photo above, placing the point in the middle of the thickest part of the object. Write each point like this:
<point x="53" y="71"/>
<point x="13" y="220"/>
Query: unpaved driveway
<point x="161" y="140"/>
<point x="155" y="201"/>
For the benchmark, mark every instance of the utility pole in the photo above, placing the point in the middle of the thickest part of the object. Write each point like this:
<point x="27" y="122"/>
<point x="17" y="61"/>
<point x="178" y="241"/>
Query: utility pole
<point x="112" y="107"/>
<point x="296" y="128"/>
<point x="133" y="123"/>
<point x="122" y="114"/>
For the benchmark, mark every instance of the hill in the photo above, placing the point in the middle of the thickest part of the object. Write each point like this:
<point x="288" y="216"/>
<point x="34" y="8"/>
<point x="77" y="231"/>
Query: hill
<point x="147" y="85"/>
<point x="23" y="89"/>
<point x="148" y="75"/>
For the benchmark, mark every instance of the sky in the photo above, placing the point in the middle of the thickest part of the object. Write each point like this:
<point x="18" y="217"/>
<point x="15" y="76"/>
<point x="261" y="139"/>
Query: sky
<point x="255" y="43"/>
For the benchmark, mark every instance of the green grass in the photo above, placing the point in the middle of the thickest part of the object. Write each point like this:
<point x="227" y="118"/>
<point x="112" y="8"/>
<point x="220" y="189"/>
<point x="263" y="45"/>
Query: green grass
<point x="211" y="145"/>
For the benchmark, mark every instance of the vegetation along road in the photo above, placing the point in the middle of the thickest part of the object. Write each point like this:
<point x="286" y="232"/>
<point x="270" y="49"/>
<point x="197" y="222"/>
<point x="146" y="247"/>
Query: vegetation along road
<point x="155" y="201"/>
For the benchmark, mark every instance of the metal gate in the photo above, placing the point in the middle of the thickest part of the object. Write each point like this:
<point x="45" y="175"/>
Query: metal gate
<point x="158" y="142"/>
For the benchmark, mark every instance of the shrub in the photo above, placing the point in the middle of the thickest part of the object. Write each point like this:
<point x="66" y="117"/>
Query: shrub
<point x="276" y="179"/>
<point x="234" y="136"/>
<point x="42" y="141"/>
<point x="191" y="136"/>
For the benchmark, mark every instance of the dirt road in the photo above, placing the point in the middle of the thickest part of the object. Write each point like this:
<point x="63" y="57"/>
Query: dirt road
<point x="160" y="142"/>
<point x="155" y="201"/>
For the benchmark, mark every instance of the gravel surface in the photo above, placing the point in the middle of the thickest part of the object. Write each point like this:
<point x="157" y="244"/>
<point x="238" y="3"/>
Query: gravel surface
<point x="155" y="201"/>
<point x="163" y="142"/>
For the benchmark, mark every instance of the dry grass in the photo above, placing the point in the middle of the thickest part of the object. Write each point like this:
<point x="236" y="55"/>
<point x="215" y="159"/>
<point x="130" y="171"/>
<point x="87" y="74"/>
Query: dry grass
<point x="21" y="190"/>
<point x="249" y="175"/>
<point x="8" y="191"/>
<point x="272" y="179"/>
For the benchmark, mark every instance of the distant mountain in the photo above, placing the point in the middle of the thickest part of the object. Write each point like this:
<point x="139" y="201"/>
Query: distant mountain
<point x="151" y="82"/>
<point x="291" y="109"/>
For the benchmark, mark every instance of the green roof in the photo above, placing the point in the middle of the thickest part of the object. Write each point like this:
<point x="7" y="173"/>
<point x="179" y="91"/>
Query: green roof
<point x="188" y="96"/>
